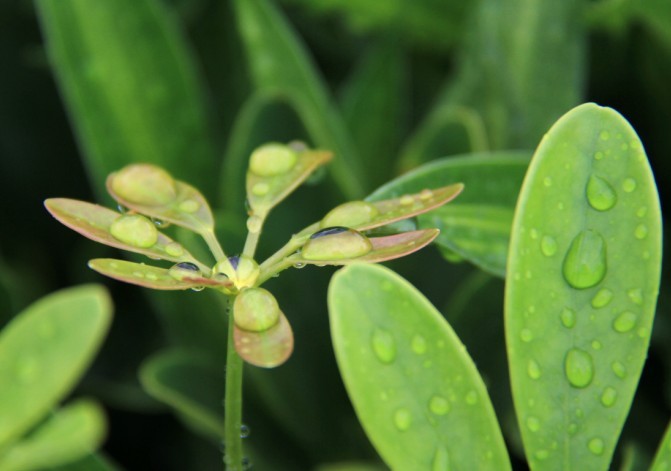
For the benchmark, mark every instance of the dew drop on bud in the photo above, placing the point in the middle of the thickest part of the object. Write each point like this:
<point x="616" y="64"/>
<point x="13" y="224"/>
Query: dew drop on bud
<point x="272" y="159"/>
<point x="135" y="230"/>
<point x="336" y="243"/>
<point x="351" y="214"/>
<point x="184" y="270"/>
<point x="144" y="184"/>
<point x="255" y="310"/>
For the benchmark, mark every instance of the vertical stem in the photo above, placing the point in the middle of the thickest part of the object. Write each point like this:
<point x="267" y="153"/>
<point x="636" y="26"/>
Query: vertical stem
<point x="233" y="404"/>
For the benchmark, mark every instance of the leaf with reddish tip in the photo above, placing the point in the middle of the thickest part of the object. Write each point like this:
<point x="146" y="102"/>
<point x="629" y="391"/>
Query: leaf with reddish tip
<point x="266" y="349"/>
<point x="152" y="277"/>
<point x="189" y="209"/>
<point x="266" y="192"/>
<point x="94" y="221"/>
<point x="384" y="248"/>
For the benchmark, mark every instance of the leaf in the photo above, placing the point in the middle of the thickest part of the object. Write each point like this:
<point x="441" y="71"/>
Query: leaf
<point x="190" y="384"/>
<point x="131" y="87"/>
<point x="582" y="286"/>
<point x="92" y="462"/>
<point x="71" y="433"/>
<point x="476" y="226"/>
<point x="44" y="351"/>
<point x="280" y="65"/>
<point x="662" y="458"/>
<point x="93" y="221"/>
<point x="409" y="377"/>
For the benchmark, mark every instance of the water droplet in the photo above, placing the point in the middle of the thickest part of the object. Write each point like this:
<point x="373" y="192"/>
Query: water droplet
<point x="608" y="396"/>
<point x="624" y="322"/>
<point x="255" y="310"/>
<point x="144" y="184"/>
<point x="152" y="276"/>
<point x="27" y="369"/>
<point x="541" y="455"/>
<point x="174" y="249"/>
<point x="351" y="214"/>
<point x="254" y="224"/>
<point x="629" y="185"/>
<point x="547" y="181"/>
<point x="604" y="135"/>
<point x="602" y="298"/>
<point x="619" y="369"/>
<point x="572" y="428"/>
<point x="418" y="344"/>
<point x="336" y="243"/>
<point x="384" y="346"/>
<point x="568" y="318"/>
<point x="636" y="296"/>
<point x="642" y="211"/>
<point x="138" y="274"/>
<point x="585" y="262"/>
<point x="244" y="431"/>
<point x="184" y="271"/>
<point x="441" y="460"/>
<point x="272" y="159"/>
<point x="135" y="230"/>
<point x="299" y="265"/>
<point x="579" y="368"/>
<point x="189" y="206"/>
<point x="534" y="233"/>
<point x="596" y="345"/>
<point x="439" y="405"/>
<point x="471" y="398"/>
<point x="526" y="335"/>
<point x="402" y="419"/>
<point x="596" y="446"/>
<point x="197" y="288"/>
<point x="260" y="189"/>
<point x="641" y="231"/>
<point x="600" y="194"/>
<point x="160" y="223"/>
<point x="598" y="155"/>
<point x="406" y="200"/>
<point x="533" y="369"/>
<point x="533" y="424"/>
<point x="548" y="246"/>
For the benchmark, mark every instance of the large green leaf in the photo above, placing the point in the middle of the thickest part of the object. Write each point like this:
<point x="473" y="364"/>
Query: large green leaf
<point x="130" y="87"/>
<point x="415" y="390"/>
<point x="44" y="351"/>
<point x="476" y="225"/>
<point x="582" y="285"/>
<point x="662" y="459"/>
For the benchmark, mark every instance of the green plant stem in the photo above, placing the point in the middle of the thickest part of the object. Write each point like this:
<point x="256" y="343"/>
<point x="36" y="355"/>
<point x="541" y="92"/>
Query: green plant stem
<point x="276" y="260"/>
<point x="233" y="404"/>
<point x="213" y="245"/>
<point x="253" y="236"/>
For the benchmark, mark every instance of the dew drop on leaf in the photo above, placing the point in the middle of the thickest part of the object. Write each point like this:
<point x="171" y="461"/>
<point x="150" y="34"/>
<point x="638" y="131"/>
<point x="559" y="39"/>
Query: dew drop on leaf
<point x="624" y="322"/>
<point x="439" y="405"/>
<point x="471" y="398"/>
<point x="189" y="206"/>
<point x="600" y="194"/>
<point x="579" y="368"/>
<point x="596" y="446"/>
<point x="384" y="346"/>
<point x="402" y="419"/>
<point x="533" y="369"/>
<point x="418" y="344"/>
<point x="619" y="369"/>
<point x="585" y="261"/>
<point x="351" y="214"/>
<point x="336" y="243"/>
<point x="272" y="159"/>
<point x="629" y="185"/>
<point x="602" y="298"/>
<point x="174" y="249"/>
<point x="608" y="396"/>
<point x="636" y="296"/>
<point x="441" y="460"/>
<point x="27" y="369"/>
<point x="184" y="270"/>
<point x="135" y="230"/>
<point x="533" y="424"/>
<point x="568" y="318"/>
<point x="548" y="246"/>
<point x="641" y="231"/>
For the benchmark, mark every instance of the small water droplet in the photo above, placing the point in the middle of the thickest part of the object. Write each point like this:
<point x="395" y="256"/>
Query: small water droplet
<point x="406" y="200"/>
<point x="541" y="455"/>
<point x="600" y="194"/>
<point x="596" y="345"/>
<point x="642" y="211"/>
<point x="596" y="446"/>
<point x="299" y="265"/>
<point x="636" y="296"/>
<point x="189" y="206"/>
<point x="641" y="231"/>
<point x="585" y="262"/>
<point x="548" y="246"/>
<point x="384" y="346"/>
<point x="160" y="223"/>
<point x="642" y="332"/>
<point x="608" y="396"/>
<point x="350" y="214"/>
<point x="533" y="424"/>
<point x="526" y="335"/>
<point x="174" y="249"/>
<point x="619" y="369"/>
<point x="533" y="233"/>
<point x="533" y="369"/>
<point x="152" y="276"/>
<point x="547" y="181"/>
<point x="244" y="431"/>
<point x="602" y="298"/>
<point x="441" y="460"/>
<point x="425" y="194"/>
<point x="439" y="405"/>
<point x="604" y="135"/>
<point x="138" y="274"/>
<point x="198" y="288"/>
<point x="568" y="318"/>
<point x="624" y="322"/>
<point x="260" y="189"/>
<point x="579" y="368"/>
<point x="629" y="185"/>
<point x="418" y="344"/>
<point x="598" y="155"/>
<point x="402" y="419"/>
<point x="254" y="224"/>
<point x="471" y="398"/>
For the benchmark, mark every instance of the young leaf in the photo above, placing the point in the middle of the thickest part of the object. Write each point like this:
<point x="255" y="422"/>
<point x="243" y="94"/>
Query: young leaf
<point x="662" y="459"/>
<point x="476" y="226"/>
<point x="44" y="350"/>
<point x="409" y="377"/>
<point x="94" y="222"/>
<point x="581" y="289"/>
<point x="71" y="433"/>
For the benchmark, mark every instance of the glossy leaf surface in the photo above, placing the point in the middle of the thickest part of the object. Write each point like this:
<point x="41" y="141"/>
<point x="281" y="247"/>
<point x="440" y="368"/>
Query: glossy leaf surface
<point x="409" y="377"/>
<point x="71" y="433"/>
<point x="476" y="225"/>
<point x="44" y="350"/>
<point x="581" y="288"/>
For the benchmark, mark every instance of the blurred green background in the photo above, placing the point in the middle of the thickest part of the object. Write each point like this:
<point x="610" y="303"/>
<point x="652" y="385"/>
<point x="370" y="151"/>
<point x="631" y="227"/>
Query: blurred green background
<point x="194" y="85"/>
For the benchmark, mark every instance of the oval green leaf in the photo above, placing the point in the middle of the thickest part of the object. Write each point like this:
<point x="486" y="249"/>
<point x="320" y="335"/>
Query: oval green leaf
<point x="662" y="459"/>
<point x="475" y="226"/>
<point x="409" y="377"/>
<point x="44" y="350"/>
<point x="582" y="286"/>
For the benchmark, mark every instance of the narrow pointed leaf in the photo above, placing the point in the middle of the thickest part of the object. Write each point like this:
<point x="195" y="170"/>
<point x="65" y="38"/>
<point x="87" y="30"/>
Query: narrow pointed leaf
<point x="476" y="225"/>
<point x="409" y="377"/>
<point x="267" y="349"/>
<point x="662" y="459"/>
<point x="94" y="221"/>
<point x="44" y="350"/>
<point x="191" y="385"/>
<point x="581" y="289"/>
<point x="71" y="433"/>
<point x="153" y="277"/>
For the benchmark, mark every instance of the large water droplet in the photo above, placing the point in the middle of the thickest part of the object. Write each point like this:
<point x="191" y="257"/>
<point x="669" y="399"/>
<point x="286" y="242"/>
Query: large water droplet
<point x="254" y="224"/>
<point x="608" y="396"/>
<point x="406" y="200"/>
<point x="568" y="318"/>
<point x="579" y="368"/>
<point x="602" y="298"/>
<point x="418" y="344"/>
<point x="533" y="369"/>
<point x="441" y="460"/>
<point x="189" y="206"/>
<point x="384" y="346"/>
<point x="596" y="446"/>
<point x="174" y="249"/>
<point x="144" y="184"/>
<point x="624" y="322"/>
<point x="260" y="189"/>
<point x="548" y="246"/>
<point x="533" y="424"/>
<point x="184" y="270"/>
<point x="402" y="419"/>
<point x="600" y="194"/>
<point x="439" y="405"/>
<point x="255" y="310"/>
<point x="585" y="262"/>
<point x="336" y="243"/>
<point x="135" y="230"/>
<point x="352" y="214"/>
<point x="272" y="159"/>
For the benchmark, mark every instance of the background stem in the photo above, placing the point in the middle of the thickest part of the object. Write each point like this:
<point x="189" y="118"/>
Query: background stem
<point x="233" y="456"/>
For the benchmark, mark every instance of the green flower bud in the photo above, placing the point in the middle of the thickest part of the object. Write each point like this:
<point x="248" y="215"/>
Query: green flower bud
<point x="135" y="230"/>
<point x="245" y="271"/>
<point x="144" y="184"/>
<point x="272" y="159"/>
<point x="255" y="310"/>
<point x="351" y="214"/>
<point x="336" y="243"/>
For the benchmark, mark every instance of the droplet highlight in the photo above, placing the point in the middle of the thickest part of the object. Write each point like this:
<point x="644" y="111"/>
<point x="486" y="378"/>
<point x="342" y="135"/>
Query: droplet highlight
<point x="602" y="298"/>
<point x="526" y="335"/>
<point x="585" y="261"/>
<point x="402" y="419"/>
<point x="600" y="194"/>
<point x="625" y="322"/>
<point x="596" y="446"/>
<point x="608" y="396"/>
<point x="579" y="368"/>
<point x="174" y="249"/>
<point x="635" y="296"/>
<point x="533" y="369"/>
<point x="548" y="246"/>
<point x="619" y="369"/>
<point x="384" y="346"/>
<point x="533" y="424"/>
<point x="568" y="318"/>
